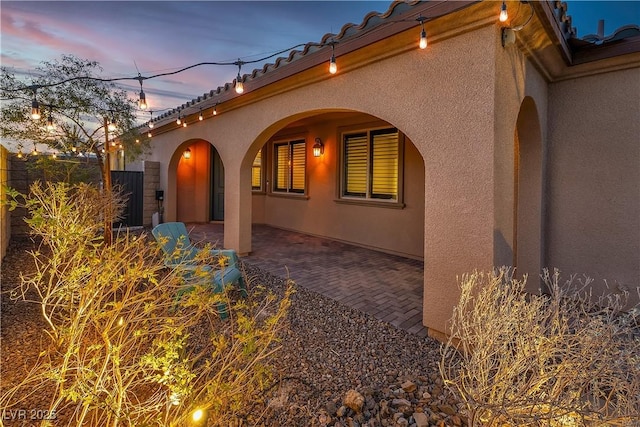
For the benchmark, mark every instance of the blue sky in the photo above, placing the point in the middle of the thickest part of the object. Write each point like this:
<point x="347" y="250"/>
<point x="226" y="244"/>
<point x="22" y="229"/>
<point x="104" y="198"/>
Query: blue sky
<point x="151" y="37"/>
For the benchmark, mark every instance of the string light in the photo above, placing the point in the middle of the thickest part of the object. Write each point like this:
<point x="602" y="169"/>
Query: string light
<point x="239" y="84"/>
<point x="215" y="110"/>
<point x="142" y="103"/>
<point x="50" y="125"/>
<point x="333" y="67"/>
<point x="35" y="108"/>
<point x="423" y="34"/>
<point x="503" y="12"/>
<point x="111" y="124"/>
<point x="20" y="155"/>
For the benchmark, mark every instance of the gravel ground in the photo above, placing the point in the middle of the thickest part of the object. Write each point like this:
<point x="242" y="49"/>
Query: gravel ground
<point x="337" y="366"/>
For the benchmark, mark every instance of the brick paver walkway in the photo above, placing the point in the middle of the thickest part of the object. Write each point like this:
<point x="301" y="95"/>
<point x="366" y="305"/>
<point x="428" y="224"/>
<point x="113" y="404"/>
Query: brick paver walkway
<point x="386" y="286"/>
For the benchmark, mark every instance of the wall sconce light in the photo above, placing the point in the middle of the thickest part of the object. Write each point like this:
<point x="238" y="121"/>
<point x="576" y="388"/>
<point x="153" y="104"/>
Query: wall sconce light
<point x="318" y="148"/>
<point x="187" y="154"/>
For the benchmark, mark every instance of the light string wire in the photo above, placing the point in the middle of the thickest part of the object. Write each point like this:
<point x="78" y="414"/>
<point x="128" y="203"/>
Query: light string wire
<point x="330" y="40"/>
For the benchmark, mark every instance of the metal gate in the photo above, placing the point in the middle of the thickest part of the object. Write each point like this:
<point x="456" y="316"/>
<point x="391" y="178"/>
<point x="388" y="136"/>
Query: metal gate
<point x="131" y="185"/>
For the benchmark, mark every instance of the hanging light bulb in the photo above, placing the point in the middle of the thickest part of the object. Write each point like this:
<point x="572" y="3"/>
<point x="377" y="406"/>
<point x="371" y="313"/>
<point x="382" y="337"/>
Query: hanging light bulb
<point x="239" y="84"/>
<point x="50" y="125"/>
<point x="111" y="125"/>
<point x="20" y="155"/>
<point x="151" y="125"/>
<point x="503" y="12"/>
<point x="179" y="120"/>
<point x="423" y="33"/>
<point x="184" y="123"/>
<point x="35" y="109"/>
<point x="149" y="135"/>
<point x="215" y="110"/>
<point x="333" y="67"/>
<point x="201" y="117"/>
<point x="54" y="155"/>
<point x="142" y="104"/>
<point x="35" y="151"/>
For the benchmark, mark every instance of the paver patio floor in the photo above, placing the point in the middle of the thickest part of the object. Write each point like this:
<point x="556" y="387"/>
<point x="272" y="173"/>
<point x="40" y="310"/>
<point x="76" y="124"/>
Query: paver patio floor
<point x="388" y="287"/>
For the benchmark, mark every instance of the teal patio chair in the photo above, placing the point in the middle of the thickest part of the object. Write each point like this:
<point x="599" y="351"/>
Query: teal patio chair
<point x="181" y="255"/>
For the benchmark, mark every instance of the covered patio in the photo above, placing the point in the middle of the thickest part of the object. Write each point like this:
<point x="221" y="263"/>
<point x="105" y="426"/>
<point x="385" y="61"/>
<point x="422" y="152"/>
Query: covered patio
<point x="389" y="287"/>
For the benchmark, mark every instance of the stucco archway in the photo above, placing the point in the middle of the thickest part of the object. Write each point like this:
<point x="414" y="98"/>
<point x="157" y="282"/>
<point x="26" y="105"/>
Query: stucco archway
<point x="528" y="187"/>
<point x="193" y="179"/>
<point x="321" y="210"/>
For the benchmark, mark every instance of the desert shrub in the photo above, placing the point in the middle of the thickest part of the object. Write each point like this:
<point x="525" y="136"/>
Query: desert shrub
<point x="562" y="358"/>
<point x="124" y="349"/>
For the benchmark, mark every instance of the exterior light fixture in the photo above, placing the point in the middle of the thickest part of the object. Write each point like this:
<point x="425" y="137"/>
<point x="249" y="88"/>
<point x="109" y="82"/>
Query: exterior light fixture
<point x="20" y="155"/>
<point x="111" y="125"/>
<point x="179" y="120"/>
<point x="239" y="84"/>
<point x="503" y="12"/>
<point x="201" y="117"/>
<point x="184" y="123"/>
<point x="149" y="134"/>
<point x="151" y="125"/>
<point x="215" y="110"/>
<point x="142" y="103"/>
<point x="333" y="67"/>
<point x="187" y="153"/>
<point x="35" y="109"/>
<point x="50" y="125"/>
<point x="423" y="33"/>
<point x="35" y="151"/>
<point x="318" y="148"/>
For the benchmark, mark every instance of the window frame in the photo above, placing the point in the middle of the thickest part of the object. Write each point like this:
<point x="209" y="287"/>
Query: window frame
<point x="289" y="189"/>
<point x="262" y="172"/>
<point x="368" y="199"/>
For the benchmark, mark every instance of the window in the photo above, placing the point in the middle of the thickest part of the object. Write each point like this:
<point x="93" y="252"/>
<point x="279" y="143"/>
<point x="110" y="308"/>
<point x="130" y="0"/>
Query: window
<point x="370" y="165"/>
<point x="256" y="172"/>
<point x="289" y="166"/>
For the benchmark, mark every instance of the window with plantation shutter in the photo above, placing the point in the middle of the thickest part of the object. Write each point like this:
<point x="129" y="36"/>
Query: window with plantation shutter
<point x="289" y="167"/>
<point x="371" y="164"/>
<point x="256" y="172"/>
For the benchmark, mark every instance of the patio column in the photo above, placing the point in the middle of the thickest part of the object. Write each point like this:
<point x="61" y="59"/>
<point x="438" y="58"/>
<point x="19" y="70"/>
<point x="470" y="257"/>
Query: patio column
<point x="237" y="209"/>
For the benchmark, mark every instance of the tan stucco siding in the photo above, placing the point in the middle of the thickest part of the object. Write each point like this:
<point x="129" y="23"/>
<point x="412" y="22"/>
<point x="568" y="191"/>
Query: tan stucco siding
<point x="594" y="174"/>
<point x="442" y="99"/>
<point x="517" y="79"/>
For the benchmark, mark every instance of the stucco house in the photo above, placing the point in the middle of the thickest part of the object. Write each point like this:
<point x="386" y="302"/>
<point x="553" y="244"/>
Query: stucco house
<point x="502" y="143"/>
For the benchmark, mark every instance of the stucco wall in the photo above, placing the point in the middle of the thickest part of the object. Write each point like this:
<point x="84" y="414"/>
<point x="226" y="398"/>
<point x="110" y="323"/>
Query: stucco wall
<point x="594" y="177"/>
<point x="429" y="96"/>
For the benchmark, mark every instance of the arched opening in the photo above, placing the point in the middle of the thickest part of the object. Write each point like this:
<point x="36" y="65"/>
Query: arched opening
<point x="528" y="185"/>
<point x="199" y="182"/>
<point x="367" y="174"/>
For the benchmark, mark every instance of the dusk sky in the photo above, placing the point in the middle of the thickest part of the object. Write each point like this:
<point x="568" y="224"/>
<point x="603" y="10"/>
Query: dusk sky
<point x="152" y="37"/>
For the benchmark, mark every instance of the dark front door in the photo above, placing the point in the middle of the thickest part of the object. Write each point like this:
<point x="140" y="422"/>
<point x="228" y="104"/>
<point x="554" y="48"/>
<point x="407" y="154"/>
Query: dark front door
<point x="217" y="186"/>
